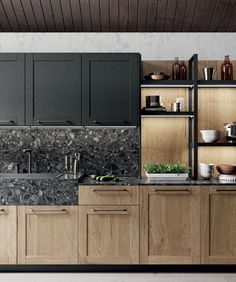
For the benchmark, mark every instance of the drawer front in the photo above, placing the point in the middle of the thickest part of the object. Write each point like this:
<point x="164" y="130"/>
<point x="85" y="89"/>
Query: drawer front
<point x="108" y="195"/>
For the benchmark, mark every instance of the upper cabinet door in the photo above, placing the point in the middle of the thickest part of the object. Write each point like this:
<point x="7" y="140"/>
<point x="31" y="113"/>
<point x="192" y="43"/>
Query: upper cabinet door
<point x="12" y="89"/>
<point x="110" y="89"/>
<point x="53" y="88"/>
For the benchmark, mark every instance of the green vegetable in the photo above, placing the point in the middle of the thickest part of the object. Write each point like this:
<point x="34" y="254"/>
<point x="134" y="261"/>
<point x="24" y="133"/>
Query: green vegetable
<point x="98" y="178"/>
<point x="93" y="177"/>
<point x="116" y="179"/>
<point x="106" y="178"/>
<point x="165" y="168"/>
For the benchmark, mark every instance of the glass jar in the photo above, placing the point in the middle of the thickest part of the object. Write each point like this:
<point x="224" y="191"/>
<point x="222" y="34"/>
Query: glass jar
<point x="176" y="69"/>
<point x="183" y="71"/>
<point x="227" y="69"/>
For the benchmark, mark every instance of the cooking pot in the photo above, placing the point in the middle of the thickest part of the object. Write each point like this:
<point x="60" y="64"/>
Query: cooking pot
<point x="231" y="130"/>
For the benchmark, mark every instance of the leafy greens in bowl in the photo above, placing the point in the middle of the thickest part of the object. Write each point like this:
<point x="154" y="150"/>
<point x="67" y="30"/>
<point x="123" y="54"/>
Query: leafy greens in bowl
<point x="166" y="168"/>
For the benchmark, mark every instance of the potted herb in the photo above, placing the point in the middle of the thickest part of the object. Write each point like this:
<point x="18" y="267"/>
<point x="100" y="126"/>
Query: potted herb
<point x="166" y="171"/>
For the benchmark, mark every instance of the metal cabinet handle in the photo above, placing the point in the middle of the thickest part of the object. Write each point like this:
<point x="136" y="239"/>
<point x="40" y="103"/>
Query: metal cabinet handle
<point x="179" y="191"/>
<point x="109" y="190"/>
<point x="7" y="122"/>
<point x="54" y="122"/>
<point x="104" y="211"/>
<point x="48" y="211"/>
<point x="106" y="122"/>
<point x="224" y="190"/>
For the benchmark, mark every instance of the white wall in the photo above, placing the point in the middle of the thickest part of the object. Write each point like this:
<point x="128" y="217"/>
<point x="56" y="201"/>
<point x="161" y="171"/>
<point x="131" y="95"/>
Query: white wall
<point x="152" y="46"/>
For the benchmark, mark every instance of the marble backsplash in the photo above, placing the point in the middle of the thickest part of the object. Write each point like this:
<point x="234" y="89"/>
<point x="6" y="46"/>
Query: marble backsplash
<point x="102" y="150"/>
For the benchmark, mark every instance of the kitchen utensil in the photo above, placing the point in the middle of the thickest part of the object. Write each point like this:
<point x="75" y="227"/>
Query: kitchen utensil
<point x="181" y="101"/>
<point x="208" y="73"/>
<point x="206" y="170"/>
<point x="210" y="135"/>
<point x="153" y="101"/>
<point x="231" y="130"/>
<point x="176" y="107"/>
<point x="226" y="169"/>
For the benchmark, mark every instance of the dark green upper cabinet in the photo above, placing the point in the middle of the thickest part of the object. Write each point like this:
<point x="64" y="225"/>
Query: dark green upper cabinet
<point x="12" y="89"/>
<point x="53" y="89"/>
<point x="110" y="89"/>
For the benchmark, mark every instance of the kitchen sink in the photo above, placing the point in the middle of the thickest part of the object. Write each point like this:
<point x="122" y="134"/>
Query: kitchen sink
<point x="28" y="175"/>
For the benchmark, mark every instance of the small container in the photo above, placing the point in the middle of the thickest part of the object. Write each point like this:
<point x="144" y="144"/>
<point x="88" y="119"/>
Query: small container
<point x="208" y="73"/>
<point x="181" y="101"/>
<point x="175" y="107"/>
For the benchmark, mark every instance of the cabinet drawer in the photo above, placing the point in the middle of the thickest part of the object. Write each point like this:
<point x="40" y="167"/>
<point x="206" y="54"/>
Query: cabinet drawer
<point x="108" y="195"/>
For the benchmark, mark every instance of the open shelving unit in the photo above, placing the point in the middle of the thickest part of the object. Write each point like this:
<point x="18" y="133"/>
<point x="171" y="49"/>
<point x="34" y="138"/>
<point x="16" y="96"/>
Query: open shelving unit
<point x="193" y="86"/>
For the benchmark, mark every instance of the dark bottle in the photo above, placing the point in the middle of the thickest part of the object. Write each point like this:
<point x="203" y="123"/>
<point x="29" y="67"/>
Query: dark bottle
<point x="183" y="71"/>
<point x="176" y="69"/>
<point x="227" y="69"/>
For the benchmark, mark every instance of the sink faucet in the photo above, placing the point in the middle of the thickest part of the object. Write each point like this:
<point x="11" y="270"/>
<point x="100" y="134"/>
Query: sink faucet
<point x="29" y="152"/>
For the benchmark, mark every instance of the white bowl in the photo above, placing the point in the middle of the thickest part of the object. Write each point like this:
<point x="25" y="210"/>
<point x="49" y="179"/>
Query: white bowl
<point x="210" y="135"/>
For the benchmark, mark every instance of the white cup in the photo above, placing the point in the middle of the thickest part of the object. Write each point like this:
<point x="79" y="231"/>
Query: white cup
<point x="206" y="170"/>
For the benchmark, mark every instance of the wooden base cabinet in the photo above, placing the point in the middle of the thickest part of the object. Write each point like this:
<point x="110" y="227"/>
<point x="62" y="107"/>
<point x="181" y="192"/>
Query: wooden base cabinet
<point x="218" y="219"/>
<point x="47" y="235"/>
<point x="170" y="225"/>
<point x="109" y="234"/>
<point x="8" y="241"/>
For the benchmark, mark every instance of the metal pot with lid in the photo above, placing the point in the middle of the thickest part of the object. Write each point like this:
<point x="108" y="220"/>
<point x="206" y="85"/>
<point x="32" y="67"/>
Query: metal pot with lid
<point x="231" y="130"/>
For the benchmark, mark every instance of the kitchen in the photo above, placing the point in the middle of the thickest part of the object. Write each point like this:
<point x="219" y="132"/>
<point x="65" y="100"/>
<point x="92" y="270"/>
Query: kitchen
<point x="38" y="203"/>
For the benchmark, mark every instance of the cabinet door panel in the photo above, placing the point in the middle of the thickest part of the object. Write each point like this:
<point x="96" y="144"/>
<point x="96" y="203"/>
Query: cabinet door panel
<point x="110" y="89"/>
<point x="218" y="224"/>
<point x="109" y="235"/>
<point x="54" y="89"/>
<point x="170" y="225"/>
<point x="12" y="95"/>
<point x="47" y="235"/>
<point x="8" y="223"/>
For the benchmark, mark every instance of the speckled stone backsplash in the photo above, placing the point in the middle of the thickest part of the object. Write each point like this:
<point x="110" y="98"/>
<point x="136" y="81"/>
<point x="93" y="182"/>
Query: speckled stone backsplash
<point x="102" y="150"/>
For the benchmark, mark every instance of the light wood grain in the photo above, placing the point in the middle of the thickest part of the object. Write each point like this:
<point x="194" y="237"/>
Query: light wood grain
<point x="109" y="235"/>
<point x="216" y="156"/>
<point x="164" y="140"/>
<point x="108" y="195"/>
<point x="166" y="67"/>
<point x="168" y="96"/>
<point x="218" y="221"/>
<point x="46" y="235"/>
<point x="216" y="107"/>
<point x="8" y="240"/>
<point x="170" y="225"/>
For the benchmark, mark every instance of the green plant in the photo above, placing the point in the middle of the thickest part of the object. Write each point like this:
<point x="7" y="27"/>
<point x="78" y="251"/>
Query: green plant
<point x="165" y="168"/>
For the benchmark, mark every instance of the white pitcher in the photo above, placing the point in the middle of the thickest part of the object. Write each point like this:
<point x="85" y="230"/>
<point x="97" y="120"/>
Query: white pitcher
<point x="206" y="170"/>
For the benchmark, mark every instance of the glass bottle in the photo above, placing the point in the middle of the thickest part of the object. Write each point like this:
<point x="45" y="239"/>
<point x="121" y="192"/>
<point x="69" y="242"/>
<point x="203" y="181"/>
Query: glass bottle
<point x="183" y="71"/>
<point x="176" y="69"/>
<point x="227" y="69"/>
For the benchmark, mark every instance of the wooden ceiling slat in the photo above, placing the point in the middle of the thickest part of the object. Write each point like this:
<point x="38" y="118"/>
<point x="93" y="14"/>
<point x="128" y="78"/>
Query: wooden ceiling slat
<point x="95" y="15"/>
<point x="232" y="21"/>
<point x="20" y="15"/>
<point x="197" y="18"/>
<point x="123" y="15"/>
<point x="151" y="15"/>
<point x="11" y="15"/>
<point x="189" y="14"/>
<point x="37" y="8"/>
<point x="133" y="15"/>
<point x="105" y="15"/>
<point x="207" y="16"/>
<point x="170" y="15"/>
<point x="114" y="15"/>
<point x="48" y="15"/>
<point x="161" y="15"/>
<point x="67" y="15"/>
<point x="220" y="6"/>
<point x="179" y="15"/>
<point x="3" y="19"/>
<point x="27" y="7"/>
<point x="76" y="15"/>
<point x="57" y="12"/>
<point x="86" y="16"/>
<point x="142" y="15"/>
<point x="228" y="11"/>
